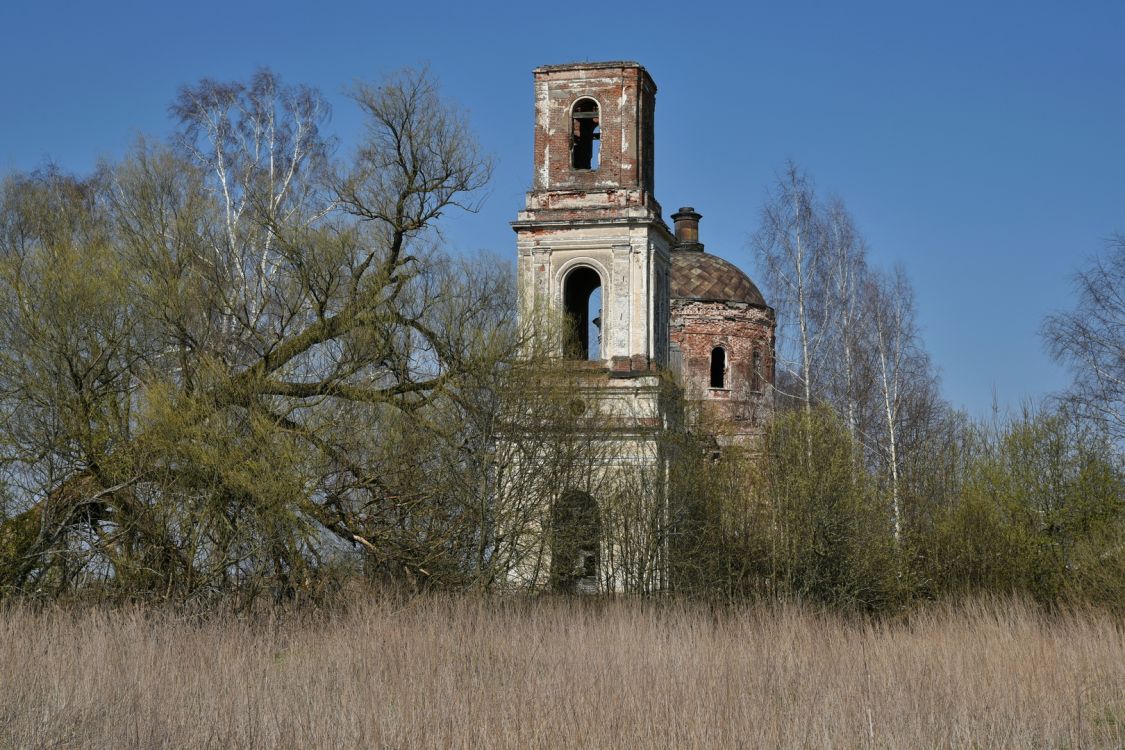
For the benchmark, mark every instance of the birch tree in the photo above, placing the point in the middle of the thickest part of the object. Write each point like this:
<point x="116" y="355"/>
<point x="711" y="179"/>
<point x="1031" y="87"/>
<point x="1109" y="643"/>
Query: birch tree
<point x="789" y="246"/>
<point x="901" y="367"/>
<point x="855" y="343"/>
<point x="845" y="279"/>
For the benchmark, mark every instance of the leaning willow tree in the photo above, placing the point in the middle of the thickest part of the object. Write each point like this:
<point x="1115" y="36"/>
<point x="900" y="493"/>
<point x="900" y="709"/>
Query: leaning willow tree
<point x="228" y="356"/>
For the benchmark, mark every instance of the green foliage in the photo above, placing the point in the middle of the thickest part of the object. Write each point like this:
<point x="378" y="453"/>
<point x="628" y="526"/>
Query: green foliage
<point x="797" y="518"/>
<point x="1034" y="507"/>
<point x="230" y="367"/>
<point x="830" y="533"/>
<point x="225" y="361"/>
<point x="718" y="546"/>
<point x="1041" y="511"/>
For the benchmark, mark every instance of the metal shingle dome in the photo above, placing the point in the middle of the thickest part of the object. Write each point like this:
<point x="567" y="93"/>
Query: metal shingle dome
<point x="707" y="278"/>
<point x="697" y="275"/>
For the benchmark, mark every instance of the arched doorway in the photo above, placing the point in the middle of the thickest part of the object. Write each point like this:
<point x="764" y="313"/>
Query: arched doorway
<point x="576" y="531"/>
<point x="582" y="302"/>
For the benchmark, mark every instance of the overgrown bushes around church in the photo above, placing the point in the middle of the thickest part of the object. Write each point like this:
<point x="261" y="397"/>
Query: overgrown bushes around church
<point x="1038" y="510"/>
<point x="799" y="520"/>
<point x="1034" y="507"/>
<point x="211" y="390"/>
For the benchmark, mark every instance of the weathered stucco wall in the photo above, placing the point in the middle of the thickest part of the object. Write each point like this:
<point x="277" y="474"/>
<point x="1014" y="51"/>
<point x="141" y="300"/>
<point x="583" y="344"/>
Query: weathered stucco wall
<point x="604" y="219"/>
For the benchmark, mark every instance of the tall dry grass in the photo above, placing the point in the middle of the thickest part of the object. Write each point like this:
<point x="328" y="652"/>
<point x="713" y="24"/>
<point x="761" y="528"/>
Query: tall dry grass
<point x="518" y="674"/>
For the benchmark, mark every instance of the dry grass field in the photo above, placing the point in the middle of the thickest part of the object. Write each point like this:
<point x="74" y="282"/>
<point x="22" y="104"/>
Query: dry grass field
<point x="449" y="673"/>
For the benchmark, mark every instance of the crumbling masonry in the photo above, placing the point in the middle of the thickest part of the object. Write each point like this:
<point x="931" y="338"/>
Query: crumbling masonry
<point x="646" y="304"/>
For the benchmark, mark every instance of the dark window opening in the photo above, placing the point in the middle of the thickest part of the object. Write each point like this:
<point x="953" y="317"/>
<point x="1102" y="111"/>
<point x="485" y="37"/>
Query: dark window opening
<point x="718" y="367"/>
<point x="575" y="543"/>
<point x="589" y="563"/>
<point x="585" y="135"/>
<point x="582" y="300"/>
<point x="756" y="371"/>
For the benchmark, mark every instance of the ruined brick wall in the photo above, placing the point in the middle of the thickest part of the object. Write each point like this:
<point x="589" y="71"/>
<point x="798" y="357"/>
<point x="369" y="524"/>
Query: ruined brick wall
<point x="604" y="219"/>
<point x="626" y="97"/>
<point x="741" y="407"/>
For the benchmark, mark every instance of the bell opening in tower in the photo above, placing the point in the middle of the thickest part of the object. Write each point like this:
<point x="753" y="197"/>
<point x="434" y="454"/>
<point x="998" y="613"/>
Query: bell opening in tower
<point x="585" y="135"/>
<point x="582" y="301"/>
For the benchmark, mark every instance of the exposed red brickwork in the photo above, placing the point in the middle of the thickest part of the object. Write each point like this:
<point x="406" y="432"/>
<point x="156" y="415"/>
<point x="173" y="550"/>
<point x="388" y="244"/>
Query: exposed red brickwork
<point x="693" y="300"/>
<point x="739" y="408"/>
<point x="626" y="97"/>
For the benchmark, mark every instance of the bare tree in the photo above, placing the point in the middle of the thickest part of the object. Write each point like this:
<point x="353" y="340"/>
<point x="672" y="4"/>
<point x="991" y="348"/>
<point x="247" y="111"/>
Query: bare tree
<point x="857" y="347"/>
<point x="845" y="281"/>
<point x="789" y="245"/>
<point x="901" y="369"/>
<point x="1091" y="339"/>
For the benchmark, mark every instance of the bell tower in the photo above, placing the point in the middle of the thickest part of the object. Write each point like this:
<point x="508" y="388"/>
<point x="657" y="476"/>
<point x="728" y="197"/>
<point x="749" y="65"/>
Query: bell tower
<point x="593" y="248"/>
<point x="594" y="273"/>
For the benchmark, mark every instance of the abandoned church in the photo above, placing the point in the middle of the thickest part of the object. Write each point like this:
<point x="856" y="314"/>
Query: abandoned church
<point x="646" y="304"/>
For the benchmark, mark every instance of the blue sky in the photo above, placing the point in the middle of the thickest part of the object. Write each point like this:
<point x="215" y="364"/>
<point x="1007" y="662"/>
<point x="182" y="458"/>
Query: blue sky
<point x="980" y="145"/>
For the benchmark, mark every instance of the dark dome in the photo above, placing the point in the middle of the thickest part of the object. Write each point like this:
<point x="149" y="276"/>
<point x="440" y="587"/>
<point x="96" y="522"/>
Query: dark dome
<point x="701" y="276"/>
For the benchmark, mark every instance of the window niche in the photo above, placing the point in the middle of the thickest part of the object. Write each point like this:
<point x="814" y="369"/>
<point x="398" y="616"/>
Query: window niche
<point x="718" y="367"/>
<point x="585" y="135"/>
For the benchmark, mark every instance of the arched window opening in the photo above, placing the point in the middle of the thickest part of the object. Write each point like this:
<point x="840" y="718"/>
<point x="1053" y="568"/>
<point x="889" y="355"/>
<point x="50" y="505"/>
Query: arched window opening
<point x="756" y="371"/>
<point x="585" y="135"/>
<point x="718" y="367"/>
<point x="575" y="543"/>
<point x="582" y="300"/>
